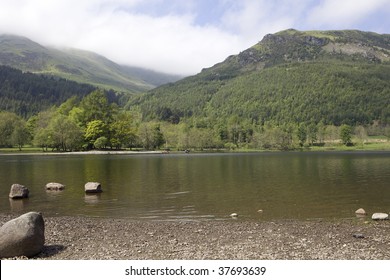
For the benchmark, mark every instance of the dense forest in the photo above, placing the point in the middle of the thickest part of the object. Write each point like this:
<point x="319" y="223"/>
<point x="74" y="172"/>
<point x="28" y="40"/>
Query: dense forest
<point x="291" y="90"/>
<point x="27" y="94"/>
<point x="334" y="93"/>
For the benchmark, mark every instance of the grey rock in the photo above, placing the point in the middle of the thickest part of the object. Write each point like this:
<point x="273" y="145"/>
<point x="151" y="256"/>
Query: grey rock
<point x="18" y="191"/>
<point x="55" y="186"/>
<point x="358" y="235"/>
<point x="380" y="216"/>
<point x="23" y="236"/>
<point x="93" y="187"/>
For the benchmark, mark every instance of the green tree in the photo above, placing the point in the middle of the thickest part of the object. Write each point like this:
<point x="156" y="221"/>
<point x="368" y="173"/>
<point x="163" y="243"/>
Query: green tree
<point x="95" y="106"/>
<point x="301" y="134"/>
<point x="95" y="129"/>
<point x="312" y="131"/>
<point x="20" y="136"/>
<point x="65" y="134"/>
<point x="346" y="134"/>
<point x="8" y="122"/>
<point x="101" y="143"/>
<point x="150" y="136"/>
<point x="43" y="138"/>
<point x="123" y="130"/>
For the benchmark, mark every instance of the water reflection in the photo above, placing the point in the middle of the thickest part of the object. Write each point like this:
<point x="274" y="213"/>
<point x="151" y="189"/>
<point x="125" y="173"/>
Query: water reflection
<point x="92" y="198"/>
<point x="18" y="205"/>
<point x="204" y="186"/>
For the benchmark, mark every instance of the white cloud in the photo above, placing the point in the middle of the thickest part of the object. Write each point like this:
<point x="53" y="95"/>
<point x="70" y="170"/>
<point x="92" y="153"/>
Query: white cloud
<point x="170" y="43"/>
<point x="344" y="14"/>
<point x="164" y="34"/>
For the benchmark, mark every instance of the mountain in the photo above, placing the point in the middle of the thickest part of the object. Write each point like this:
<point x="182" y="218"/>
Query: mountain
<point x="77" y="65"/>
<point x="333" y="77"/>
<point x="27" y="94"/>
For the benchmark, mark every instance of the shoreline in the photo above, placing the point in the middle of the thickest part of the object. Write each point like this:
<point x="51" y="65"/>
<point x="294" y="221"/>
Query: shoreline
<point x="80" y="153"/>
<point x="162" y="152"/>
<point x="89" y="238"/>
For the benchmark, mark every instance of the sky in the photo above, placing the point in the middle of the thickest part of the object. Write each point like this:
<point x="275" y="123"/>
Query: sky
<point x="180" y="36"/>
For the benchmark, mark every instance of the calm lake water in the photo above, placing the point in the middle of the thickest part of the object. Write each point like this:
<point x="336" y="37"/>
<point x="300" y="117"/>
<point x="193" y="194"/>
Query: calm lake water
<point x="202" y="186"/>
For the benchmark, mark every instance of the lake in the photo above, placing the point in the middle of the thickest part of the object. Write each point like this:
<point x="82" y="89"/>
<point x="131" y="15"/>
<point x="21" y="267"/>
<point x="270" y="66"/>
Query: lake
<point x="284" y="185"/>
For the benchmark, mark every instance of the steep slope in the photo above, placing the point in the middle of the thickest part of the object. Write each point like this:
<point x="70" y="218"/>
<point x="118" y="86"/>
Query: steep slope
<point x="291" y="76"/>
<point x="26" y="94"/>
<point x="81" y="66"/>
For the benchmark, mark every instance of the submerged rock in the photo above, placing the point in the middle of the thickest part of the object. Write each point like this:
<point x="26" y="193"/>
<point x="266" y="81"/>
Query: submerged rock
<point x="23" y="236"/>
<point x="55" y="186"/>
<point x="380" y="216"/>
<point x="93" y="187"/>
<point x="18" y="191"/>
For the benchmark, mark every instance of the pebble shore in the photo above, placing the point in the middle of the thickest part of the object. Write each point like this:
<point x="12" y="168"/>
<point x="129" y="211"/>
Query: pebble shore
<point x="86" y="238"/>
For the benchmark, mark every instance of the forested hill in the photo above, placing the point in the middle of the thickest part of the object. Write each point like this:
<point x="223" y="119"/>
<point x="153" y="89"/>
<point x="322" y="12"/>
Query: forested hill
<point x="77" y="65"/>
<point x="333" y="77"/>
<point x="27" y="94"/>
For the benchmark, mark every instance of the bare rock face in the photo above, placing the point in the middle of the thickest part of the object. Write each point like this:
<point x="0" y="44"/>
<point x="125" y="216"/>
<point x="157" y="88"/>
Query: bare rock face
<point x="23" y="236"/>
<point x="18" y="191"/>
<point x="93" y="187"/>
<point x="54" y="187"/>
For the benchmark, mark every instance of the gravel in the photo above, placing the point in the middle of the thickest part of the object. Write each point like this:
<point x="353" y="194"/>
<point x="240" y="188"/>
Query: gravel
<point x="86" y="238"/>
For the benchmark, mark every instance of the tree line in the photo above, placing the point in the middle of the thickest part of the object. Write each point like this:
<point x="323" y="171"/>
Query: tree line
<point x="96" y="123"/>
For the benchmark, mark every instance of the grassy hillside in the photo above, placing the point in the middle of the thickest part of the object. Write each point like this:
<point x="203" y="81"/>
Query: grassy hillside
<point x="80" y="66"/>
<point x="289" y="77"/>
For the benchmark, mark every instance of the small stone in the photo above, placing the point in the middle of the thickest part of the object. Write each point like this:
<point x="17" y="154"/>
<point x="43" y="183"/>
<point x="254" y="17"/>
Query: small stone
<point x="358" y="235"/>
<point x="234" y="215"/>
<point x="93" y="187"/>
<point x="18" y="191"/>
<point x="260" y="211"/>
<point x="360" y="211"/>
<point x="380" y="216"/>
<point x="54" y="186"/>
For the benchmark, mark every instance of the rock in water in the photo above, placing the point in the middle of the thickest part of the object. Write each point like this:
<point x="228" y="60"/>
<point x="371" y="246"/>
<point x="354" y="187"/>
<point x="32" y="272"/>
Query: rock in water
<point x="380" y="216"/>
<point x="23" y="236"/>
<point x="18" y="191"/>
<point x="93" y="187"/>
<point x="360" y="211"/>
<point x="54" y="186"/>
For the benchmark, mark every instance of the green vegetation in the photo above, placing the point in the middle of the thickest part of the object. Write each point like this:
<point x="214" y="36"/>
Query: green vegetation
<point x="27" y="94"/>
<point x="294" y="90"/>
<point x="77" y="65"/>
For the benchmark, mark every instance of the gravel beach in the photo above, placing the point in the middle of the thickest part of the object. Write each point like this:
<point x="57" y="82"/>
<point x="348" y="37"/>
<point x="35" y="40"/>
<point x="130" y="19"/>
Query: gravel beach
<point x="85" y="238"/>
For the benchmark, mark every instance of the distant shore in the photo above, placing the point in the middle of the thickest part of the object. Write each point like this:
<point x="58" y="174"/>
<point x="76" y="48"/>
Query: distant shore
<point x="93" y="152"/>
<point x="371" y="147"/>
<point x="84" y="238"/>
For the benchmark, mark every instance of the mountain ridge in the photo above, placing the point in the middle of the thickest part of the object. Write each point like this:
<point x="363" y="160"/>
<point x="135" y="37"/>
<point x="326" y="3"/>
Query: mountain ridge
<point x="344" y="73"/>
<point x="77" y="65"/>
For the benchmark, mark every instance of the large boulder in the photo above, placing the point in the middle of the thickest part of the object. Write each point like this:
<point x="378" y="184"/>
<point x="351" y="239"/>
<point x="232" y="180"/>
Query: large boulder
<point x="380" y="216"/>
<point x="23" y="236"/>
<point x="93" y="187"/>
<point x="54" y="187"/>
<point x="18" y="191"/>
